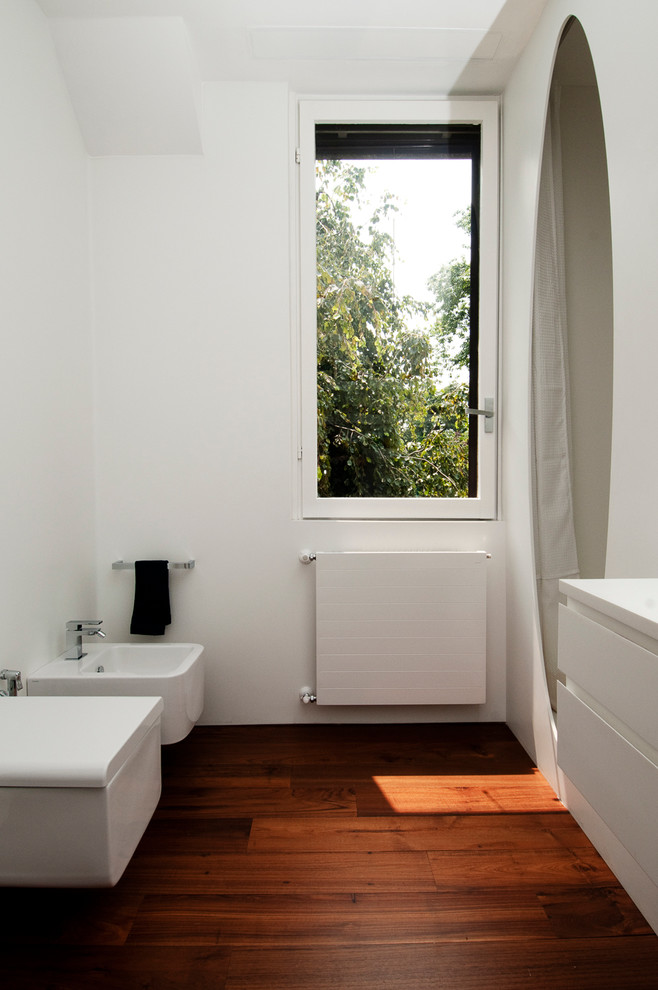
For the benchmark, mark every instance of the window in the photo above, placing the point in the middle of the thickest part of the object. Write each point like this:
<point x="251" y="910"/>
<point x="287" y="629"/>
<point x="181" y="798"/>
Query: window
<point x="398" y="343"/>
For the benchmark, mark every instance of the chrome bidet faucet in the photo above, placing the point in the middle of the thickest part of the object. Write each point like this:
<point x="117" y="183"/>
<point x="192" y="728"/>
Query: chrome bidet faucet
<point x="14" y="683"/>
<point x="75" y="630"/>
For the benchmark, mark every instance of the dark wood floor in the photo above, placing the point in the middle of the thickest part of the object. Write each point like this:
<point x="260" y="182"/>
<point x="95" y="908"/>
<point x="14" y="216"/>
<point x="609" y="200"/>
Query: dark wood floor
<point x="337" y="858"/>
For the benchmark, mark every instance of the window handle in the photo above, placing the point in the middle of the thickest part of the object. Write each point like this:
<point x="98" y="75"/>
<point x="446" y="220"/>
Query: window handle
<point x="487" y="412"/>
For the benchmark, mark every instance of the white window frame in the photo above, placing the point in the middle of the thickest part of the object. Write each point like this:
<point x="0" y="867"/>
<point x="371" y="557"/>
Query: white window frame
<point x="485" y="113"/>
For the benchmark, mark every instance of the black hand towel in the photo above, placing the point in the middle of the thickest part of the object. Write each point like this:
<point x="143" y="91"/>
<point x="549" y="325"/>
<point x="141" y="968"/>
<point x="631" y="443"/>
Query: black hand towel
<point x="151" y="612"/>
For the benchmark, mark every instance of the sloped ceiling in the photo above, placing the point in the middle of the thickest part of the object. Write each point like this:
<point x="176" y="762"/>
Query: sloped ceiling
<point x="133" y="84"/>
<point x="134" y="68"/>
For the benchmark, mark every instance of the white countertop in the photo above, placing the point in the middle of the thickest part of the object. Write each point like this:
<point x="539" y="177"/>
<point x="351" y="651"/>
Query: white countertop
<point x="631" y="601"/>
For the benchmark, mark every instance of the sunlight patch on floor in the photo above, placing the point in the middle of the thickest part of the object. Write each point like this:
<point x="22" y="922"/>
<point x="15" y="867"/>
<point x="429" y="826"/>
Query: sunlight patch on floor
<point x="472" y="793"/>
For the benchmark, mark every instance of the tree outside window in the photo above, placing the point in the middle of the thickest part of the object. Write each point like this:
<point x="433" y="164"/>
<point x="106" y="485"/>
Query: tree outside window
<point x="392" y="370"/>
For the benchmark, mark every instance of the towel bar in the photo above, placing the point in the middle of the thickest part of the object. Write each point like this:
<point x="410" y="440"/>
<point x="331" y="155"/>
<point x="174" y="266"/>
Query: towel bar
<point x="126" y="565"/>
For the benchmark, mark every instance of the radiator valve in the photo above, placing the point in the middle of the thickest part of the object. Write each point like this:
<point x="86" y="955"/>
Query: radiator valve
<point x="306" y="695"/>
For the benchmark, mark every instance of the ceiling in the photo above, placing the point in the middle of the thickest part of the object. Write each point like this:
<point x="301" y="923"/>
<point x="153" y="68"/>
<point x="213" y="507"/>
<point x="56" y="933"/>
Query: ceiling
<point x="134" y="68"/>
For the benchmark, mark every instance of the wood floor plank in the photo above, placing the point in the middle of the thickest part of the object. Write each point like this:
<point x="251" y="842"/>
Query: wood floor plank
<point x="520" y="868"/>
<point x="203" y="766"/>
<point x="439" y="794"/>
<point x="582" y="912"/>
<point x="596" y="964"/>
<point x="312" y="920"/>
<point x="69" y="917"/>
<point x="390" y="834"/>
<point x="484" y="745"/>
<point x="249" y="800"/>
<point x="170" y="835"/>
<point x="256" y="873"/>
<point x="118" y="968"/>
<point x="365" y="765"/>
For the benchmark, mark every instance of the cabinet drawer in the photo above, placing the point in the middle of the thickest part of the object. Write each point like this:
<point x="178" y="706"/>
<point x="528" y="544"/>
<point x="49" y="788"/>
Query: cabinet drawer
<point x="620" y="675"/>
<point x="619" y="782"/>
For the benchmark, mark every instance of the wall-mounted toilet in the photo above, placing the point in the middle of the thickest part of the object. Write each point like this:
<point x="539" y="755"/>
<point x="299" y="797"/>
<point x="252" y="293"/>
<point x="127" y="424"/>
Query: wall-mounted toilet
<point x="79" y="782"/>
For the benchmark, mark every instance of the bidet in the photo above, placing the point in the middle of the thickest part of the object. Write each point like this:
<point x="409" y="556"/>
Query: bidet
<point x="172" y="671"/>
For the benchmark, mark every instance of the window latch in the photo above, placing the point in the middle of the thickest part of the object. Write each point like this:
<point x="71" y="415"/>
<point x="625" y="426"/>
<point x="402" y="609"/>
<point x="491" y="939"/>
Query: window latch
<point x="487" y="412"/>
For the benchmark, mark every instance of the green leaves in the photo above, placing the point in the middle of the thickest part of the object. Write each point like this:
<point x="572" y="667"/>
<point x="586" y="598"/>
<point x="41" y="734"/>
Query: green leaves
<point x="388" y="424"/>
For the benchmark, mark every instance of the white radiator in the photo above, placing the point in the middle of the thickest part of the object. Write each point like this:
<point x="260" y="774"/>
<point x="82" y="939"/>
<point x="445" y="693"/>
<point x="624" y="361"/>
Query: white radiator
<point x="401" y="628"/>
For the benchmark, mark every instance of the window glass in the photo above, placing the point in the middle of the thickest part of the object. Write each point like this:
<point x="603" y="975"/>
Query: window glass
<point x="396" y="212"/>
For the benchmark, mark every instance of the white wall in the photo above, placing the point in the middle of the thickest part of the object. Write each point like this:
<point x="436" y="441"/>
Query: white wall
<point x="622" y="51"/>
<point x="624" y="48"/>
<point x="46" y="496"/>
<point x="196" y="411"/>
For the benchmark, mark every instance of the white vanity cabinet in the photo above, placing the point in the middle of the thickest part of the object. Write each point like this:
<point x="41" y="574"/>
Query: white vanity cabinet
<point x="607" y="722"/>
